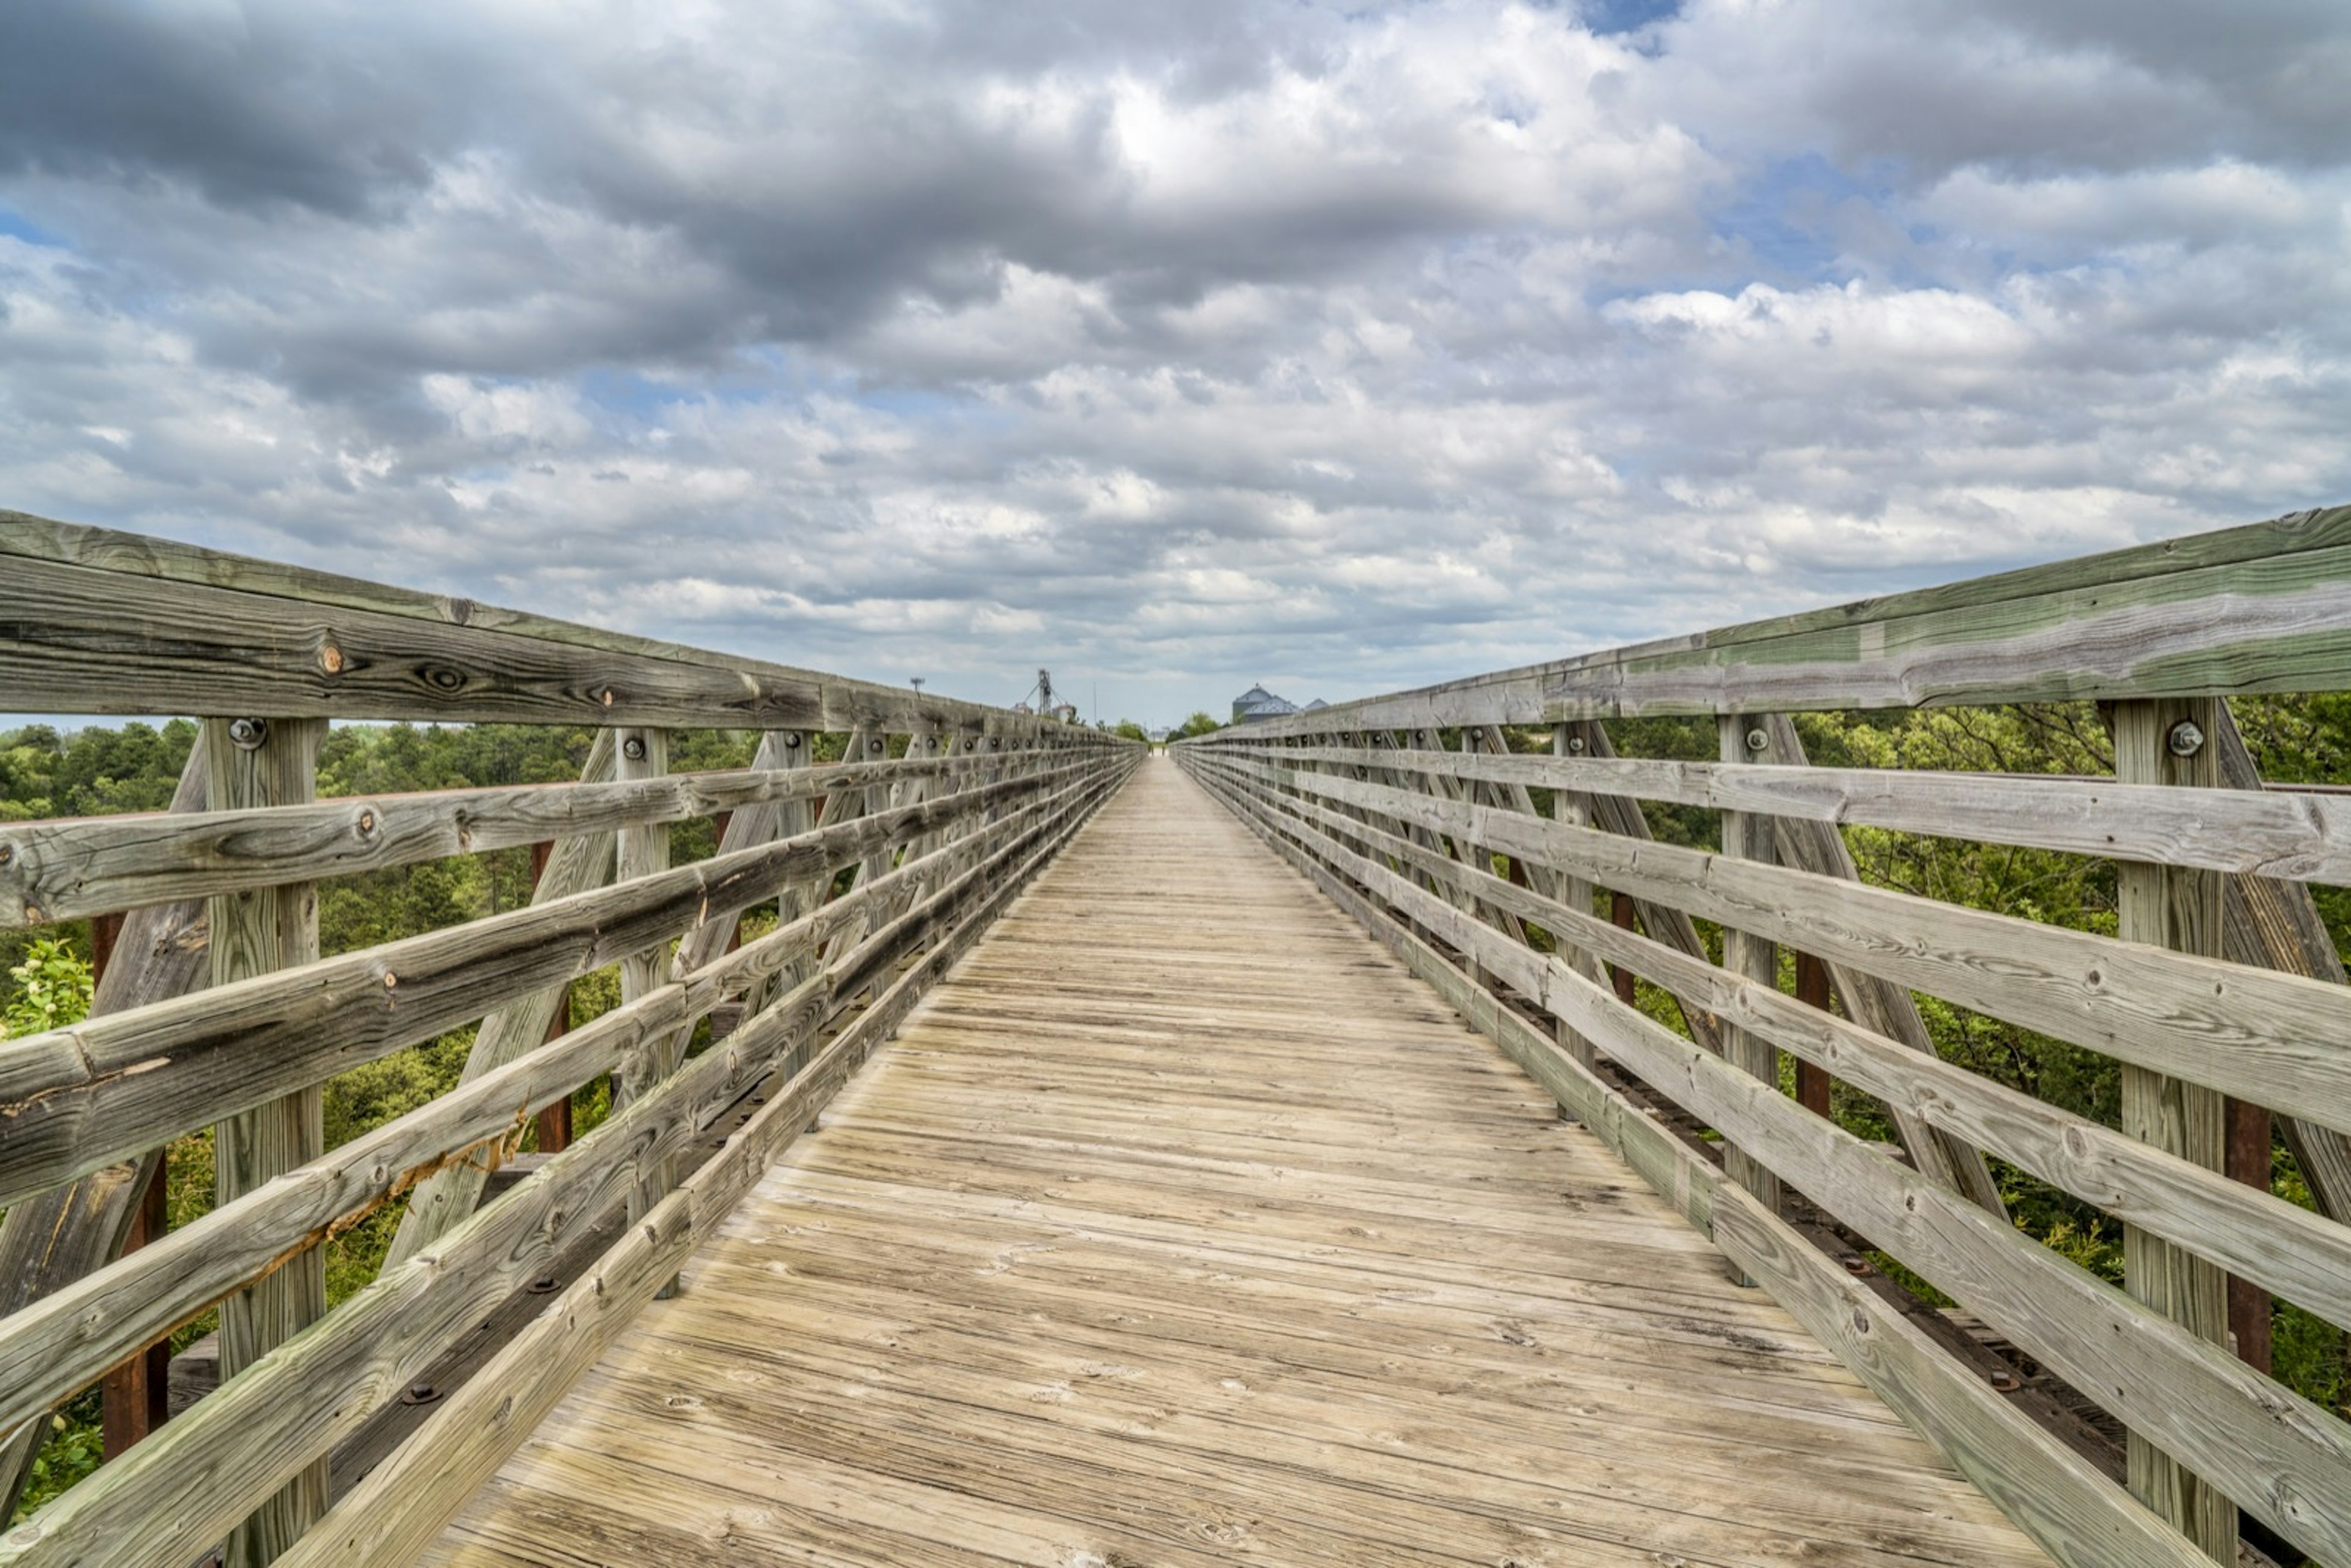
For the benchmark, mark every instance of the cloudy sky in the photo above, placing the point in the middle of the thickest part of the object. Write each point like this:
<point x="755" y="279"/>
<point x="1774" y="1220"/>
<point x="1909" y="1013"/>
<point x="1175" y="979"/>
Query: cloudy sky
<point x="1174" y="347"/>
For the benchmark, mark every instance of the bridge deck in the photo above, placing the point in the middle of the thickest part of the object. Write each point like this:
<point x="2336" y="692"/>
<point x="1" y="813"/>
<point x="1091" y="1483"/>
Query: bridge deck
<point x="1183" y="1226"/>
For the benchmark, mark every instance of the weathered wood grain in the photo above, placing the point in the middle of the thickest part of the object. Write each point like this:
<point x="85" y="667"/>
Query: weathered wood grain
<point x="2280" y="1457"/>
<point x="162" y="1502"/>
<point x="1749" y="836"/>
<point x="2173" y="907"/>
<point x="2268" y="1037"/>
<point x="574" y="866"/>
<point x="56" y="1345"/>
<point x="51" y="1239"/>
<point x="2302" y="1256"/>
<point x="397" y="1510"/>
<point x="2245" y="831"/>
<point x="98" y="622"/>
<point x="254" y="933"/>
<point x="1030" y="1184"/>
<point x="76" y="1099"/>
<point x="2068" y="1506"/>
<point x="2261" y="608"/>
<point x="52" y="870"/>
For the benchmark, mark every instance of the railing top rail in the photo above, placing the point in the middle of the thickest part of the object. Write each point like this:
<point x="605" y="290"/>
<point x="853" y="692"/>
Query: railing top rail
<point x="2263" y="608"/>
<point x="95" y="620"/>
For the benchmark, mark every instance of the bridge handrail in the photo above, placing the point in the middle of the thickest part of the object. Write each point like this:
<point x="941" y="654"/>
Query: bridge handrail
<point x="881" y="868"/>
<point x="1415" y="813"/>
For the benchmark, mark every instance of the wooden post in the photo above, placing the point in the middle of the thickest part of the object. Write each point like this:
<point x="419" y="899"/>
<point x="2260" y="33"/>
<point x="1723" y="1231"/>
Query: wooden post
<point x="1573" y="890"/>
<point x="135" y="1396"/>
<point x="267" y="762"/>
<point x="1813" y="1082"/>
<point x="2249" y="1136"/>
<point x="1750" y="836"/>
<point x="1620" y="914"/>
<point x="2168" y="741"/>
<point x="553" y="1123"/>
<point x="75" y="1229"/>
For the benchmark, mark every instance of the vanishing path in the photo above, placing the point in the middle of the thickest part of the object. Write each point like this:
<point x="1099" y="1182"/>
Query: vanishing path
<point x="1182" y="1226"/>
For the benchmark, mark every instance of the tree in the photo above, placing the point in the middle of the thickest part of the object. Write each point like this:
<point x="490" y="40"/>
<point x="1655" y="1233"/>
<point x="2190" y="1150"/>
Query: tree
<point x="1202" y="722"/>
<point x="1127" y="729"/>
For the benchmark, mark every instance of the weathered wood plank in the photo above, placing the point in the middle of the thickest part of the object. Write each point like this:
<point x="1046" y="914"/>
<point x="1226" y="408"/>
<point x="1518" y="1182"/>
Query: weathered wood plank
<point x="2261" y="608"/>
<point x="53" y="870"/>
<point x="166" y="1499"/>
<point x="93" y="620"/>
<point x="1750" y="836"/>
<point x="2246" y="830"/>
<point x="513" y="1029"/>
<point x="54" y="1346"/>
<point x="109" y="1088"/>
<point x="2282" y="1458"/>
<point x="2259" y="1034"/>
<point x="267" y="762"/>
<point x="2302" y="1256"/>
<point x="2158" y="743"/>
<point x="51" y="1239"/>
<point x="398" y="1509"/>
<point x="2070" y="1508"/>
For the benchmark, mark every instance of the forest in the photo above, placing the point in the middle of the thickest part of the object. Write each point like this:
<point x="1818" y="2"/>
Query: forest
<point x="45" y="976"/>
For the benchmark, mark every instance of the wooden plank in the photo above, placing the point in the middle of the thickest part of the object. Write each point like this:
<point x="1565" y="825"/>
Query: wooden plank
<point x="1750" y="836"/>
<point x="2158" y="743"/>
<point x="512" y="1030"/>
<point x="1887" y="1009"/>
<point x="107" y="1089"/>
<point x="2243" y="830"/>
<point x="101" y="622"/>
<point x="397" y="1510"/>
<point x="2264" y="1036"/>
<point x="2065" y="1502"/>
<point x="53" y="870"/>
<point x="51" y="1239"/>
<point x="2261" y="608"/>
<point x="267" y="762"/>
<point x="52" y="1347"/>
<point x="2282" y="1458"/>
<point x="1275" y="1388"/>
<point x="165" y="1502"/>
<point x="2301" y="1255"/>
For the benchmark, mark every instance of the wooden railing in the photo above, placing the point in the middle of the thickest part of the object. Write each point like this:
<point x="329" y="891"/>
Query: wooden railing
<point x="219" y="1011"/>
<point x="2221" y="996"/>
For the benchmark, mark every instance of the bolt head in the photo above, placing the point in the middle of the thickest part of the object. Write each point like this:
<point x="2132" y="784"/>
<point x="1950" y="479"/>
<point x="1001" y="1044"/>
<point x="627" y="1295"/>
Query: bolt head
<point x="792" y="741"/>
<point x="1757" y="740"/>
<point x="2186" y="739"/>
<point x="634" y="748"/>
<point x="248" y="733"/>
<point x="1576" y="744"/>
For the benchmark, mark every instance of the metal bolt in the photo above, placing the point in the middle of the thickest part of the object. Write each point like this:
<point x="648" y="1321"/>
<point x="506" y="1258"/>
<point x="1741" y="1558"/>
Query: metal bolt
<point x="248" y="733"/>
<point x="1575" y="745"/>
<point x="792" y="741"/>
<point x="545" y="1285"/>
<point x="634" y="748"/>
<point x="1757" y="740"/>
<point x="419" y="1393"/>
<point x="2186" y="739"/>
<point x="873" y="746"/>
<point x="2005" y="1380"/>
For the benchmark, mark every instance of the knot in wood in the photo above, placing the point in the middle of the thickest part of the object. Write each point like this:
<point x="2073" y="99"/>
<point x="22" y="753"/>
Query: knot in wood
<point x="330" y="659"/>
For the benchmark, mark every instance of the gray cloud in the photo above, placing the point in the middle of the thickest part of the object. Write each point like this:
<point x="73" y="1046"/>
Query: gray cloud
<point x="1339" y="348"/>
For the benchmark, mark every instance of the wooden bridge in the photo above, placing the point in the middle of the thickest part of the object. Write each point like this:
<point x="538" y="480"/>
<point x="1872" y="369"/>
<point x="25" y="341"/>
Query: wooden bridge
<point x="1352" y="1139"/>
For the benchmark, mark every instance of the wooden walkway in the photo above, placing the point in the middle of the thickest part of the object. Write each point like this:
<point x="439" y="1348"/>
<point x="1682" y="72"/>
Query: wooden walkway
<point x="1182" y="1226"/>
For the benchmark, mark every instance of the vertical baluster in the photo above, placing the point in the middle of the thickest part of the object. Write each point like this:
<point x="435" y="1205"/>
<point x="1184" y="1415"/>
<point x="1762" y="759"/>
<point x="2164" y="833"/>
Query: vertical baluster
<point x="2165" y="741"/>
<point x="267" y="762"/>
<point x="1748" y="835"/>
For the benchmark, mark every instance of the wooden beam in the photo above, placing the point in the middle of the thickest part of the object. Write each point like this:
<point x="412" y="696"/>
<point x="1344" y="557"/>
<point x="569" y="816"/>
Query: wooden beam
<point x="2162" y="742"/>
<point x="267" y="762"/>
<point x="1749" y="836"/>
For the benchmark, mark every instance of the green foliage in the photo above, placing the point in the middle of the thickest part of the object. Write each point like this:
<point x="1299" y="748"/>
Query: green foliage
<point x="1201" y="722"/>
<point x="51" y="988"/>
<point x="1127" y="729"/>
